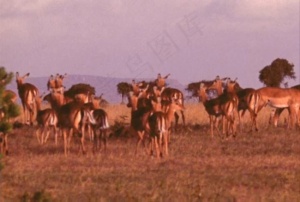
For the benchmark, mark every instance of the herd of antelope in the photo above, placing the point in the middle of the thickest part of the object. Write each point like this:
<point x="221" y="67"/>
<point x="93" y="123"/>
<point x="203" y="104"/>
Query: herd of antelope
<point x="154" y="107"/>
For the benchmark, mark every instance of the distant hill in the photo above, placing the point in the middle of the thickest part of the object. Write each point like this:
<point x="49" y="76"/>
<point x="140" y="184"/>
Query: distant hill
<point x="105" y="85"/>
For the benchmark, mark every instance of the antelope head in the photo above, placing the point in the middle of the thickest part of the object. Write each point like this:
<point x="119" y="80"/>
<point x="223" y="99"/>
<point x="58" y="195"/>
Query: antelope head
<point x="59" y="80"/>
<point x="20" y="79"/>
<point x="161" y="81"/>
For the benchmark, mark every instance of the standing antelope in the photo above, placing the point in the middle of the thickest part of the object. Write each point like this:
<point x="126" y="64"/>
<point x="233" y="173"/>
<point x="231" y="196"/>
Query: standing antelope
<point x="170" y="94"/>
<point x="223" y="106"/>
<point x="160" y="125"/>
<point x="70" y="116"/>
<point x="28" y="94"/>
<point x="100" y="128"/>
<point x="242" y="95"/>
<point x="139" y="117"/>
<point x="55" y="82"/>
<point x="274" y="119"/>
<point x="46" y="119"/>
<point x="276" y="98"/>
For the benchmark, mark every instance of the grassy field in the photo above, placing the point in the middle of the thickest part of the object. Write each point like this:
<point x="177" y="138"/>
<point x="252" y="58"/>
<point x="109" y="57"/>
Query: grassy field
<point x="258" y="166"/>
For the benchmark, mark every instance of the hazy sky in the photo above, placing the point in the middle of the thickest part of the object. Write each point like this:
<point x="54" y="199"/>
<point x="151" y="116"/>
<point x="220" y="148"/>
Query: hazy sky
<point x="191" y="39"/>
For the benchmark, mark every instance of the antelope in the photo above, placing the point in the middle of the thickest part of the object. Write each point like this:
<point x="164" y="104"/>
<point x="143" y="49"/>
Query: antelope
<point x="139" y="118"/>
<point x="230" y="107"/>
<point x="276" y="98"/>
<point x="46" y="119"/>
<point x="100" y="128"/>
<point x="161" y="81"/>
<point x="160" y="125"/>
<point x="223" y="106"/>
<point x="51" y="83"/>
<point x="92" y="104"/>
<point x="28" y="94"/>
<point x="242" y="95"/>
<point x="278" y="111"/>
<point x="170" y="94"/>
<point x="166" y="95"/>
<point x="57" y="82"/>
<point x="70" y="116"/>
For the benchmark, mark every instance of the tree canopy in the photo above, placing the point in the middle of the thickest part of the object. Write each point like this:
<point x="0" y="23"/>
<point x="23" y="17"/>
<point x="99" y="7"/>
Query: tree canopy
<point x="8" y="108"/>
<point x="274" y="74"/>
<point x="123" y="89"/>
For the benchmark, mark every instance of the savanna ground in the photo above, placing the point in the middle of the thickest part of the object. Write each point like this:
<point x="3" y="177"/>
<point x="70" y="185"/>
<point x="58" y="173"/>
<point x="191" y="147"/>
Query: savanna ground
<point x="257" y="166"/>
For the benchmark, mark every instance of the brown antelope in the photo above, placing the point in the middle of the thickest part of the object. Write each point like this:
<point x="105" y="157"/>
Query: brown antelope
<point x="160" y="125"/>
<point x="242" y="95"/>
<point x="51" y="83"/>
<point x="93" y="104"/>
<point x="46" y="119"/>
<point x="277" y="98"/>
<point x="70" y="116"/>
<point x="230" y="107"/>
<point x="100" y="128"/>
<point x="55" y="82"/>
<point x="139" y="118"/>
<point x="274" y="119"/>
<point x="161" y="81"/>
<point x="59" y="81"/>
<point x="223" y="106"/>
<point x="28" y="94"/>
<point x="170" y="94"/>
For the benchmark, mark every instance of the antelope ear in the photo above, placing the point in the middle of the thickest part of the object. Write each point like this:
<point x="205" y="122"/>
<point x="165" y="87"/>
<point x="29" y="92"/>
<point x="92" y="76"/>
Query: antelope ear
<point x="167" y="76"/>
<point x="26" y="75"/>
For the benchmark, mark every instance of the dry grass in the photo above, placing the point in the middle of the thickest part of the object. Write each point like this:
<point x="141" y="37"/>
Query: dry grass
<point x="262" y="166"/>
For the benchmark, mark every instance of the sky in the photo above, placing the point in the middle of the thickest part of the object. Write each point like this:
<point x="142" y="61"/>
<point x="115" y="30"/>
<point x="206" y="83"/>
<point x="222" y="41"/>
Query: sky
<point x="190" y="39"/>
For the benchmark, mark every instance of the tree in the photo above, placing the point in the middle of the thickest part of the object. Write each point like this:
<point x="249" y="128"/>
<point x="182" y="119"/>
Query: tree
<point x="123" y="89"/>
<point x="8" y="108"/>
<point x="193" y="88"/>
<point x="273" y="75"/>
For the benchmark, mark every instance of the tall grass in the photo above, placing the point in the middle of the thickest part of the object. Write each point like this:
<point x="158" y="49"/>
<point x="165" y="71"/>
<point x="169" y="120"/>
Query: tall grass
<point x="257" y="166"/>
